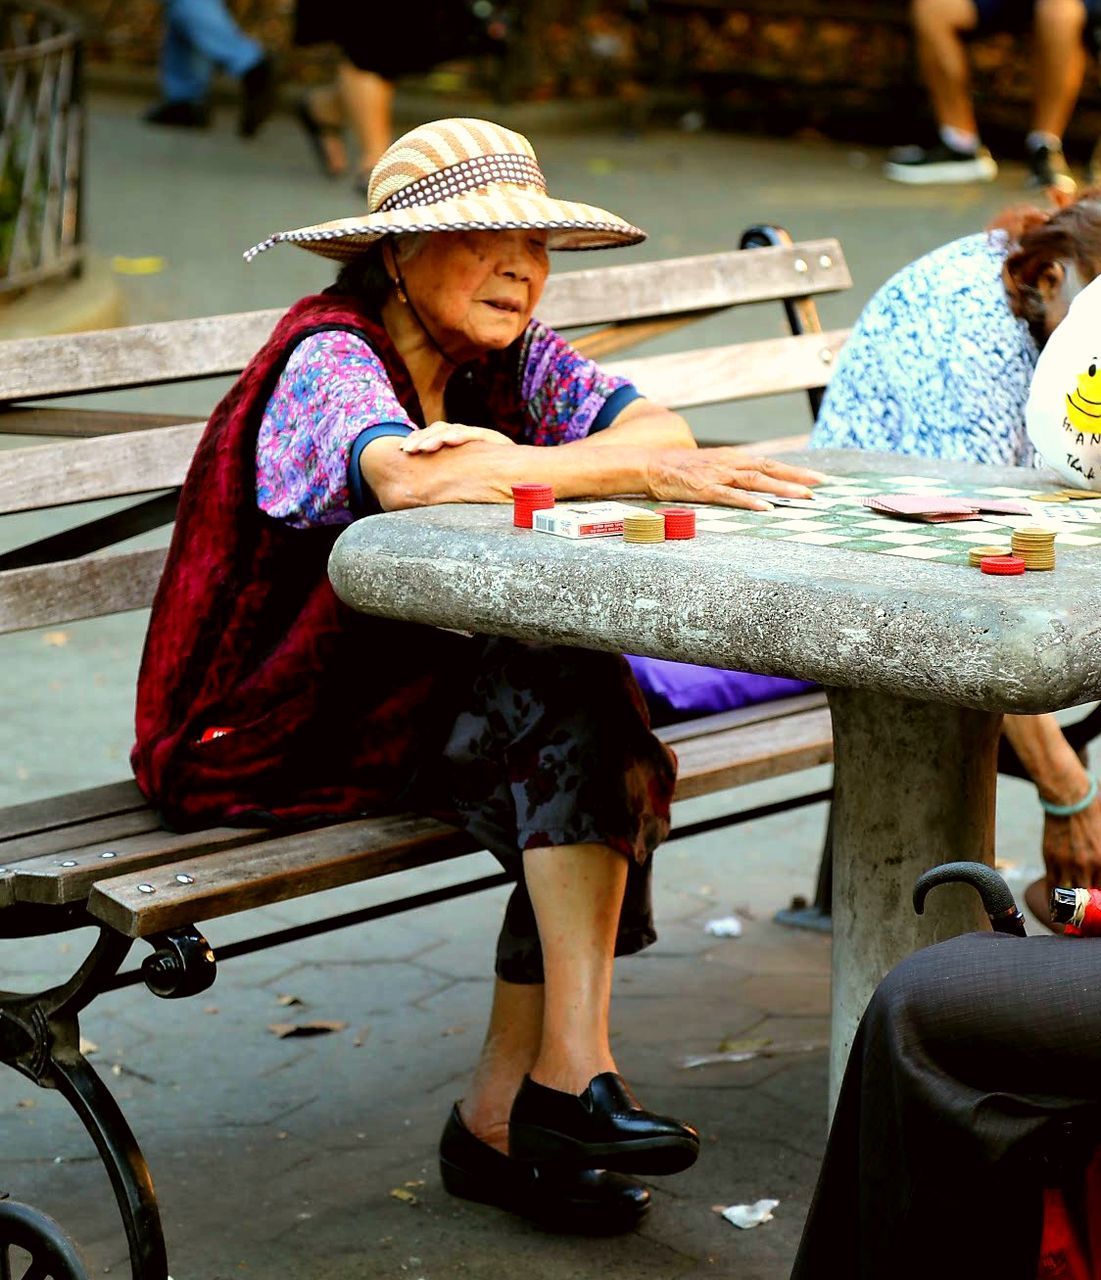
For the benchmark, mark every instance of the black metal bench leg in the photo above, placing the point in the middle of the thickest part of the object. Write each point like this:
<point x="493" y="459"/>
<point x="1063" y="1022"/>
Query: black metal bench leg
<point x="816" y="916"/>
<point x="130" y="1178"/>
<point x="40" y="1037"/>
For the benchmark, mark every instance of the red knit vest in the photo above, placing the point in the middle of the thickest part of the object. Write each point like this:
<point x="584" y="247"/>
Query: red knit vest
<point x="326" y="710"/>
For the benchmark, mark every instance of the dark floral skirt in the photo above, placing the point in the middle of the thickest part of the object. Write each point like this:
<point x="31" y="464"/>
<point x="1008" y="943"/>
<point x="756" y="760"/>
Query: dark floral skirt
<point x="552" y="746"/>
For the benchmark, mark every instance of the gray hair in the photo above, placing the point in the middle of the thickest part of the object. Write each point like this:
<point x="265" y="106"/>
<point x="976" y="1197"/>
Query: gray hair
<point x="366" y="276"/>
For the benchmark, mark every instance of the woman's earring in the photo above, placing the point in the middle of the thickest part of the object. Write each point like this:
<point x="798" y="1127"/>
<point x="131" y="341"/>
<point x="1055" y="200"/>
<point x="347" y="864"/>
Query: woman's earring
<point x="400" y="292"/>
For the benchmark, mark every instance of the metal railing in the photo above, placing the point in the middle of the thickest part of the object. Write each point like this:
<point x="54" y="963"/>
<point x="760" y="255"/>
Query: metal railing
<point x="41" y="143"/>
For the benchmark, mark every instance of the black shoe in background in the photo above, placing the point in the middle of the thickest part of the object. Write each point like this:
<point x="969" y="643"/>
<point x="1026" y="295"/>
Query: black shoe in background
<point x="257" y="96"/>
<point x="181" y="114"/>
<point x="939" y="164"/>
<point x="1047" y="167"/>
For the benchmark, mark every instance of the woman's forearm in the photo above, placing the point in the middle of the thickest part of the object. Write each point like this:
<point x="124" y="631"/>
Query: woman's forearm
<point x="644" y="424"/>
<point x="478" y="472"/>
<point x="1050" y="760"/>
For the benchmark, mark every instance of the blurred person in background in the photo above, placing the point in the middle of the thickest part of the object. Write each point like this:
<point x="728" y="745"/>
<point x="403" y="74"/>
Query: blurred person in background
<point x="200" y="35"/>
<point x="1059" y="54"/>
<point x="414" y="37"/>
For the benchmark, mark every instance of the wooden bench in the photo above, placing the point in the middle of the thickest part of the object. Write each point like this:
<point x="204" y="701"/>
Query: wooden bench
<point x="100" y="857"/>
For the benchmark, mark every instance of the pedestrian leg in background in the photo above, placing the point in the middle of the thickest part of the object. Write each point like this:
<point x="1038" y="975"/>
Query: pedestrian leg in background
<point x="956" y="155"/>
<point x="367" y="102"/>
<point x="1059" y="66"/>
<point x="361" y="99"/>
<point x="199" y="36"/>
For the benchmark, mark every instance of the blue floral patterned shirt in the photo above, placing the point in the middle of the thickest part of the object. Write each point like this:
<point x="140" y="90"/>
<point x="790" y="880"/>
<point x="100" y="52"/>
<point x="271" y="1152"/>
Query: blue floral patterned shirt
<point x="937" y="365"/>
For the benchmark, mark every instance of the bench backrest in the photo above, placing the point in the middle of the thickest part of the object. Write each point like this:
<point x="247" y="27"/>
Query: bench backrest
<point x="67" y="577"/>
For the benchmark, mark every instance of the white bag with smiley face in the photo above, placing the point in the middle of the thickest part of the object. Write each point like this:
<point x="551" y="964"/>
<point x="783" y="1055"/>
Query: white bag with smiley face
<point x="1063" y="415"/>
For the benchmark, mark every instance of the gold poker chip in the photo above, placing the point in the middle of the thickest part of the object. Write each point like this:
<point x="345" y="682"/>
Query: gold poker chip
<point x="648" y="527"/>
<point x="975" y="554"/>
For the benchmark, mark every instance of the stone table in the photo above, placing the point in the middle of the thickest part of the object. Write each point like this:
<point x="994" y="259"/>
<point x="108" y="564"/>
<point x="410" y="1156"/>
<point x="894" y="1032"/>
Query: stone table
<point x="920" y="661"/>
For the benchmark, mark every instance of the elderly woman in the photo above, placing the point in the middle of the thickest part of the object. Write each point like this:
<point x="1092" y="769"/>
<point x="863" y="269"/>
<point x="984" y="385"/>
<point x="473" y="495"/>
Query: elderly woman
<point x="421" y="377"/>
<point x="939" y="364"/>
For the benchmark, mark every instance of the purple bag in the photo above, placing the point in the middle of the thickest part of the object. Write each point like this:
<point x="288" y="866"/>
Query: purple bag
<point x="679" y="691"/>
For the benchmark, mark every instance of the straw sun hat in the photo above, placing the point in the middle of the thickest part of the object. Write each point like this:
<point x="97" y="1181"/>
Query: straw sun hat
<point x="459" y="175"/>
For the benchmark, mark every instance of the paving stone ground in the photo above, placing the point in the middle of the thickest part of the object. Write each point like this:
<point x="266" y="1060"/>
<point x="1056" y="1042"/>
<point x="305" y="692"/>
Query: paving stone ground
<point x="276" y="1157"/>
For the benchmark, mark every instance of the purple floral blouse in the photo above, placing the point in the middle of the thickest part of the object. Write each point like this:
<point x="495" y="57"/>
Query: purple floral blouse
<point x="334" y="396"/>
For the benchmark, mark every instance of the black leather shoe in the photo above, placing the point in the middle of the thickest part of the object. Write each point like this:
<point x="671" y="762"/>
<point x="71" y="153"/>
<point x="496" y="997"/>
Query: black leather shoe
<point x="180" y="114"/>
<point x="589" y="1201"/>
<point x="605" y="1127"/>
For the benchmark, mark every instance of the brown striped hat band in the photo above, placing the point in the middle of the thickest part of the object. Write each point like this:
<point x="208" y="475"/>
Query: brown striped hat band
<point x="459" y="175"/>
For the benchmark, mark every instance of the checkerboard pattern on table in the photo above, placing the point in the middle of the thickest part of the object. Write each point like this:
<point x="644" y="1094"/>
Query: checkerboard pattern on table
<point x="836" y="518"/>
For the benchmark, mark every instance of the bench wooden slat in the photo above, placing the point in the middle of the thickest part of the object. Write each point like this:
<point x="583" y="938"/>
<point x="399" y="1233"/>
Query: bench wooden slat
<point x="112" y="466"/>
<point x="750" y="753"/>
<point x="720" y="721"/>
<point x="700" y="282"/>
<point x="101" y="832"/>
<point x="716" y="374"/>
<point x="82" y="423"/>
<point x="286" y="867"/>
<point x="44" y="880"/>
<point x="68" y="810"/>
<point x="133" y="356"/>
<point x="619" y="337"/>
<point x="48" y="595"/>
<point x="177" y="350"/>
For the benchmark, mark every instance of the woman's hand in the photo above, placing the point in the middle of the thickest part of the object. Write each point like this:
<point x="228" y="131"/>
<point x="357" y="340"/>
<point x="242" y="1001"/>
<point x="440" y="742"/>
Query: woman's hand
<point x="1072" y="848"/>
<point x="723" y="475"/>
<point x="450" y="434"/>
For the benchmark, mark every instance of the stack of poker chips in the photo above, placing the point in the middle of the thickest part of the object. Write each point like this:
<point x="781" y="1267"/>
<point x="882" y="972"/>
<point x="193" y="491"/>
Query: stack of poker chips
<point x="1035" y="546"/>
<point x="680" y="522"/>
<point x="978" y="554"/>
<point x="647" y="526"/>
<point x="528" y="498"/>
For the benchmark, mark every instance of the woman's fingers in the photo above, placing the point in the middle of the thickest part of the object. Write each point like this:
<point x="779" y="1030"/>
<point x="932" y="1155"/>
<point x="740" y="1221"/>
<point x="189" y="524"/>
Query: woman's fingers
<point x="437" y="437"/>
<point x="763" y="482"/>
<point x="787" y="471"/>
<point x="732" y="496"/>
<point x="767" y="468"/>
<point x="450" y="434"/>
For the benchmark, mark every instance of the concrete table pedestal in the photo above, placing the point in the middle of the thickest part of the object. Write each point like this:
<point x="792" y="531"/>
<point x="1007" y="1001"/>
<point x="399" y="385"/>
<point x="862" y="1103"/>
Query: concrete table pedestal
<point x="914" y="786"/>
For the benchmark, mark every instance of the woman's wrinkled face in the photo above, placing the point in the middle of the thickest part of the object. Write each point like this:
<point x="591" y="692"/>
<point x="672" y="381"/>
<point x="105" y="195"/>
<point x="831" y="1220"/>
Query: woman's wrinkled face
<point x="476" y="290"/>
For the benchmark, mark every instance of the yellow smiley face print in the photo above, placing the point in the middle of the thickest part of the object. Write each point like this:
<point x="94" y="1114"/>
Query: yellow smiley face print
<point x="1084" y="402"/>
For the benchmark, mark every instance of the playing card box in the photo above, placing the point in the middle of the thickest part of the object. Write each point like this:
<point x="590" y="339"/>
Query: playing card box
<point x="585" y="519"/>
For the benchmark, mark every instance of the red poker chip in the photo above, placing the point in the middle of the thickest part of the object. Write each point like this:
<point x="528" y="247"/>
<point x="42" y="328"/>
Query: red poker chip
<point x="525" y="504"/>
<point x="680" y="523"/>
<point x="1003" y="566"/>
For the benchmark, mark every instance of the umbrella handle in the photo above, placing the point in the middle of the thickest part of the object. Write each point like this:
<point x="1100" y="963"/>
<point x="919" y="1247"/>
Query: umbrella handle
<point x="997" y="898"/>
